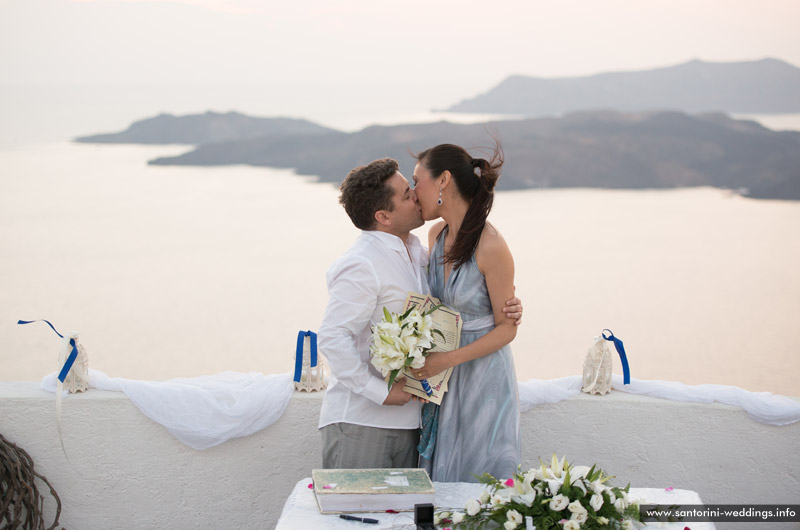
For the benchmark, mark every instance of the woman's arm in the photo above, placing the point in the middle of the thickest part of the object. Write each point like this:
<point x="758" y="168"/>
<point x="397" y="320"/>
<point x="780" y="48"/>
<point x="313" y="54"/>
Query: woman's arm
<point x="497" y="265"/>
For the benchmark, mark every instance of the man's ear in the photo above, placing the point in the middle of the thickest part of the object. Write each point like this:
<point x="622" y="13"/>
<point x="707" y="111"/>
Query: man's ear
<point x="382" y="218"/>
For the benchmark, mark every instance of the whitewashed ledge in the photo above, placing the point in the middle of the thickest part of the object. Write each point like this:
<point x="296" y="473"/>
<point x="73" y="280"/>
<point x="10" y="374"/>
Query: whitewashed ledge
<point x="131" y="473"/>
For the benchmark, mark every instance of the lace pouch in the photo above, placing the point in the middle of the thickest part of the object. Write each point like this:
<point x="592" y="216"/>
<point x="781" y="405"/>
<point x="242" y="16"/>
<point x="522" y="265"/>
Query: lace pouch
<point x="597" y="368"/>
<point x="597" y="365"/>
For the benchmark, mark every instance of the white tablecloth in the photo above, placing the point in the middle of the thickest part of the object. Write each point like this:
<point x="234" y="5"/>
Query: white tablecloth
<point x="300" y="511"/>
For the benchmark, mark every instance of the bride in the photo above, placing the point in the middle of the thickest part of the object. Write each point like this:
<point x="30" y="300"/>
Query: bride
<point x="476" y="428"/>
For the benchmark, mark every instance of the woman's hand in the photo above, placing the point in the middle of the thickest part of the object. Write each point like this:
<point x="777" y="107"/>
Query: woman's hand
<point x="434" y="363"/>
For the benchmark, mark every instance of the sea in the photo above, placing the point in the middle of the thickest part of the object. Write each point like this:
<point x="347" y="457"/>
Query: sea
<point x="184" y="271"/>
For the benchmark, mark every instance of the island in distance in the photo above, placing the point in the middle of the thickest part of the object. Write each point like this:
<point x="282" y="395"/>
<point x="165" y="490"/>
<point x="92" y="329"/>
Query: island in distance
<point x="205" y="128"/>
<point x="599" y="149"/>
<point x="752" y="87"/>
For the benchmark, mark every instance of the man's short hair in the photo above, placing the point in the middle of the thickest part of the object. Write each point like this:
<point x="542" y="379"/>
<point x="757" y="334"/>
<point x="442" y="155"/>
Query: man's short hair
<point x="364" y="192"/>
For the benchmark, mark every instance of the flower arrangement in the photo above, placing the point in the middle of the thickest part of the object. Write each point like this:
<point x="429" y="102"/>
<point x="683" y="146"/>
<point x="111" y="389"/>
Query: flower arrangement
<point x="556" y="497"/>
<point x="402" y="341"/>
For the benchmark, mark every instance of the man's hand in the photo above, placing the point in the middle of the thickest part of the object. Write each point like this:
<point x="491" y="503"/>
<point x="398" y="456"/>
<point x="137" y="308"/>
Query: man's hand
<point x="397" y="396"/>
<point x="513" y="310"/>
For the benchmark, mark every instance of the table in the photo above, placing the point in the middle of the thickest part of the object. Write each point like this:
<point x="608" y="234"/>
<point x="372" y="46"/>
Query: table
<point x="301" y="512"/>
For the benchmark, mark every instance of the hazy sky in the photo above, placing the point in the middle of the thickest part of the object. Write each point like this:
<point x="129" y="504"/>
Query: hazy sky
<point x="367" y="54"/>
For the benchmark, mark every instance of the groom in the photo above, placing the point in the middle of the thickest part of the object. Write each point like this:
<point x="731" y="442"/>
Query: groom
<point x="363" y="423"/>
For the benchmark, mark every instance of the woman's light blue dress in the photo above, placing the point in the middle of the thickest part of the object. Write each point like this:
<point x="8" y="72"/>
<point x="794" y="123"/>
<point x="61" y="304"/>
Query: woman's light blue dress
<point x="478" y="424"/>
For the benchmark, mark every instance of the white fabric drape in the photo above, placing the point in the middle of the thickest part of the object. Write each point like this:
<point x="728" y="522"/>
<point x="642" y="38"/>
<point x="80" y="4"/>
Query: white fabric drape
<point x="764" y="407"/>
<point x="203" y="411"/>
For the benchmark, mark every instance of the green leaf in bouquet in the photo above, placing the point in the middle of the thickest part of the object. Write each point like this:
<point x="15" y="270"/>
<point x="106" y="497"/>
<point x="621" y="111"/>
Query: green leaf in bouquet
<point x="487" y="479"/>
<point x="431" y="310"/>
<point x="408" y="312"/>
<point x="635" y="513"/>
<point x="392" y="377"/>
<point x="605" y="478"/>
<point x="434" y="330"/>
<point x="565" y="489"/>
<point x="549" y="521"/>
<point x="590" y="475"/>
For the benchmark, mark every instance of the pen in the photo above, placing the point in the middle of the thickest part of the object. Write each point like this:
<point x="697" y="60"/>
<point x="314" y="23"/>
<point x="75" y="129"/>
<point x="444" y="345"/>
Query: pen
<point x="361" y="519"/>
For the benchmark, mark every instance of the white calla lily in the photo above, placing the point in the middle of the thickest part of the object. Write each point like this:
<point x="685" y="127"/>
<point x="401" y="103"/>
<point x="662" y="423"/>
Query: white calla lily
<point x="554" y="485"/>
<point x="577" y="472"/>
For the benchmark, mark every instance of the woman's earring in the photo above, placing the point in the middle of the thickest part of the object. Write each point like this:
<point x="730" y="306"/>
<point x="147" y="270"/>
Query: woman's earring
<point x="439" y="202"/>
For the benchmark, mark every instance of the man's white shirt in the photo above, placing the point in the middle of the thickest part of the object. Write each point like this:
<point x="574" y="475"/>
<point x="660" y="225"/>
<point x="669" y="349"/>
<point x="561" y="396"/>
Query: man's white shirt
<point x="376" y="272"/>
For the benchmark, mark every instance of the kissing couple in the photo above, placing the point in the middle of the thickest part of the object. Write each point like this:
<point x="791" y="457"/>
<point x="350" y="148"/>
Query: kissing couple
<point x="469" y="267"/>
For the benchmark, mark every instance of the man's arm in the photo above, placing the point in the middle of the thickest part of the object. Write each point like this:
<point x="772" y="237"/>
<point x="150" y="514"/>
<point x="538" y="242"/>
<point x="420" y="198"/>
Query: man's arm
<point x="353" y="290"/>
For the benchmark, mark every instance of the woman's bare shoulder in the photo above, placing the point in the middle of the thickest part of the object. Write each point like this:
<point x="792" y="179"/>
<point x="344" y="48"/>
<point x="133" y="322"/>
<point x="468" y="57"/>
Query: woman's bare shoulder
<point x="491" y="239"/>
<point x="492" y="249"/>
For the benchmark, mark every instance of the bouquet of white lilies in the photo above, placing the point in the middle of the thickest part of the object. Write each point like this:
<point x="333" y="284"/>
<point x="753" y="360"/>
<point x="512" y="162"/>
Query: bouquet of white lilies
<point x="558" y="497"/>
<point x="402" y="341"/>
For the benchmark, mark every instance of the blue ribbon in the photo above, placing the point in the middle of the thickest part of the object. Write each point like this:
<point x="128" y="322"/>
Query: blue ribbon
<point x="626" y="372"/>
<point x="426" y="386"/>
<point x="298" y="356"/>
<point x="70" y="358"/>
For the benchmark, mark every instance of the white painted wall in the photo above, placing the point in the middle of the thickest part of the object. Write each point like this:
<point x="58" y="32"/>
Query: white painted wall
<point x="130" y="473"/>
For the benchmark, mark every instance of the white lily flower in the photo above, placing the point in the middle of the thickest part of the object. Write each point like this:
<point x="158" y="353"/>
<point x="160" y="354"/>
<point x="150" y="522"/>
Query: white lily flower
<point x="523" y="493"/>
<point x="396" y="342"/>
<point x="499" y="500"/>
<point x="514" y="516"/>
<point x="472" y="507"/>
<point x="525" y="498"/>
<point x="554" y="485"/>
<point x="529" y="477"/>
<point x="577" y="472"/>
<point x="557" y="466"/>
<point x="597" y="486"/>
<point x="418" y="362"/>
<point x="505" y="493"/>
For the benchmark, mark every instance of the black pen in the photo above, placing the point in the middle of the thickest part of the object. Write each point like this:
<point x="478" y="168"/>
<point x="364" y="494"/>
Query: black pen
<point x="361" y="519"/>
